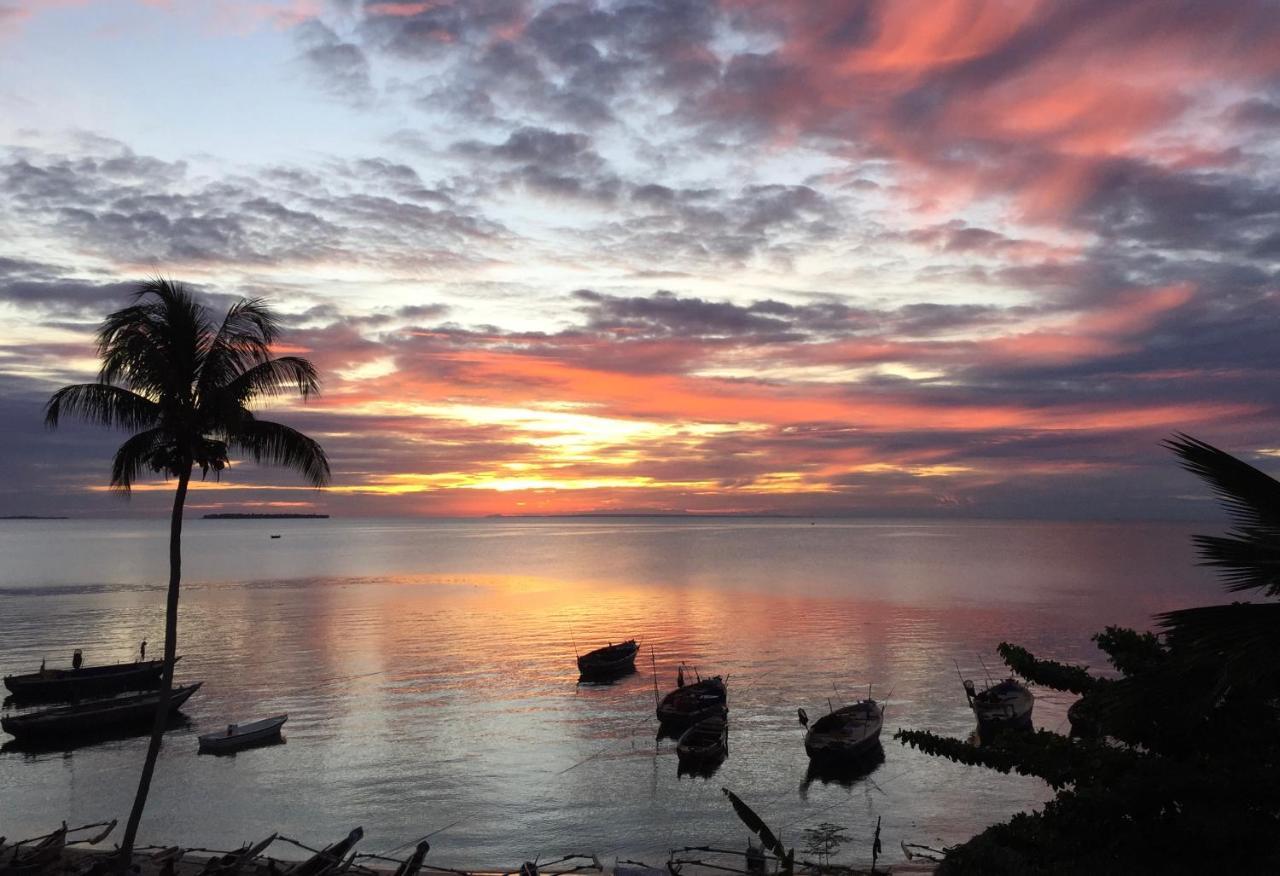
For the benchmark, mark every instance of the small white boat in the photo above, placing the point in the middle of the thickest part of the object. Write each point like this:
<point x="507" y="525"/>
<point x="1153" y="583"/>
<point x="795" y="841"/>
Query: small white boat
<point x="238" y="736"/>
<point x="1005" y="704"/>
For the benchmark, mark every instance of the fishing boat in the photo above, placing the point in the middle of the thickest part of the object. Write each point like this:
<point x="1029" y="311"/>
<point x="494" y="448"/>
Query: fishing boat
<point x="232" y="863"/>
<point x="31" y="858"/>
<point x="705" y="741"/>
<point x="693" y="702"/>
<point x="238" y="736"/>
<point x="1002" y="705"/>
<point x="96" y="716"/>
<point x="88" y="681"/>
<point x="843" y="734"/>
<point x="328" y="859"/>
<point x="609" y="661"/>
<point x="413" y="864"/>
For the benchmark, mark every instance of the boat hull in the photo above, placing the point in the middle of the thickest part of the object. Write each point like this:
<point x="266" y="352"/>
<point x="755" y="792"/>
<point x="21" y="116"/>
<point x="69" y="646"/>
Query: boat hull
<point x="610" y="662"/>
<point x="70" y="684"/>
<point x="847" y="734"/>
<point x="693" y="702"/>
<point x="705" y="741"/>
<point x="103" y="716"/>
<point x="1007" y="705"/>
<point x="221" y="743"/>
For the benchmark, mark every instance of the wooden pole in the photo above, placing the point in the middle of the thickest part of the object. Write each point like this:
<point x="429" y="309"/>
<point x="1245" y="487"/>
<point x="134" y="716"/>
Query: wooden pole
<point x="654" y="661"/>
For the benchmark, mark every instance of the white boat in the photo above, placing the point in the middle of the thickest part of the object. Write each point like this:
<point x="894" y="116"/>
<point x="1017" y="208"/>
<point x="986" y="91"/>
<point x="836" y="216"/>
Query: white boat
<point x="1005" y="704"/>
<point x="844" y="733"/>
<point x="238" y="736"/>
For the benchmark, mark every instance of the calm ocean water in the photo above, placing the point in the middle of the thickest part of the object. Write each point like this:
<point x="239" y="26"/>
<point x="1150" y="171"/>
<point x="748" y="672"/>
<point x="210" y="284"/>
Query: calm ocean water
<point x="428" y="670"/>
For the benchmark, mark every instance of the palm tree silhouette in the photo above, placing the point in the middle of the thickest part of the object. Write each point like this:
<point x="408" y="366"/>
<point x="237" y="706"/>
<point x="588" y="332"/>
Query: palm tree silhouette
<point x="183" y="383"/>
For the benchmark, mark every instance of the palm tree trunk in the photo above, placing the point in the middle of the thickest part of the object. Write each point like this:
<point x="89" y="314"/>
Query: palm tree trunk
<point x="166" y="683"/>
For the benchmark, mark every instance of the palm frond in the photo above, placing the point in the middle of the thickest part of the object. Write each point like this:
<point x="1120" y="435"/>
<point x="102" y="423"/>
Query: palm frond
<point x="1245" y="563"/>
<point x="102" y="404"/>
<point x="157" y="344"/>
<point x="1250" y="555"/>
<point x="242" y="341"/>
<point x="1241" y="641"/>
<point x="275" y="377"/>
<point x="145" y="452"/>
<point x="277" y="444"/>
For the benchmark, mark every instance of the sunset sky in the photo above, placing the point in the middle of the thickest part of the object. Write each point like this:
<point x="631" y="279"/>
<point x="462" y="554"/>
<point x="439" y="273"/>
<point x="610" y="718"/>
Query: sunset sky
<point x="895" y="258"/>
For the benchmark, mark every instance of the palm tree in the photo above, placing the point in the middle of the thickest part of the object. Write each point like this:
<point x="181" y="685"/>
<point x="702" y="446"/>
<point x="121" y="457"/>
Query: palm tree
<point x="1240" y="640"/>
<point x="182" y="383"/>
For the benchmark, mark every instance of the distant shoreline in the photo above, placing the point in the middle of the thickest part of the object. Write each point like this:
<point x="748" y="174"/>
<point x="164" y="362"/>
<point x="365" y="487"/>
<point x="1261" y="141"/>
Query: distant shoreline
<point x="32" y="517"/>
<point x="266" y="517"/>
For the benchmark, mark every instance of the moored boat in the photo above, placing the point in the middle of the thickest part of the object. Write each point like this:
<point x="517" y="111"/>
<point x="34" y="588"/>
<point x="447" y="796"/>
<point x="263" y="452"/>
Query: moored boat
<point x="96" y="716"/>
<point x="705" y="741"/>
<point x="37" y="857"/>
<point x="609" y="661"/>
<point x="329" y="858"/>
<point x="693" y="702"/>
<point x="846" y="733"/>
<point x="1002" y="705"/>
<point x="88" y="681"/>
<point x="238" y="736"/>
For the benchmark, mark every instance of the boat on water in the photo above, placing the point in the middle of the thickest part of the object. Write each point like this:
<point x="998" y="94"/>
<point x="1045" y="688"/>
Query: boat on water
<point x="88" y="681"/>
<point x="706" y="741"/>
<point x="1002" y="705"/>
<point x="95" y="716"/>
<point x="691" y="703"/>
<point x="609" y="661"/>
<point x="844" y="734"/>
<point x="240" y="736"/>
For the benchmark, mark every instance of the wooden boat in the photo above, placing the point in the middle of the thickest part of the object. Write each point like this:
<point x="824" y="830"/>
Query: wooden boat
<point x="238" y="736"/>
<point x="329" y="858"/>
<point x="1002" y="705"/>
<point x="609" y="661"/>
<point x="96" y="716"/>
<point x="231" y="863"/>
<point x="411" y="866"/>
<point x="707" y="740"/>
<point x="846" y="733"/>
<point x="89" y="681"/>
<point x="30" y="859"/>
<point x="693" y="702"/>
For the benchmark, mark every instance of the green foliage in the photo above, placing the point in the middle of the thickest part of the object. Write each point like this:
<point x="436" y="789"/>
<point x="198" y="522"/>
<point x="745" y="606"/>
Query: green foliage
<point x="1182" y="773"/>
<point x="1131" y="652"/>
<point x="1049" y="673"/>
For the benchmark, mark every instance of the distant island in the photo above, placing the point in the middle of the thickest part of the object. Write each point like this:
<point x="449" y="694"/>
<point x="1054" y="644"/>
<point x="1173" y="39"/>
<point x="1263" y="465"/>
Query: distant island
<point x="266" y="516"/>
